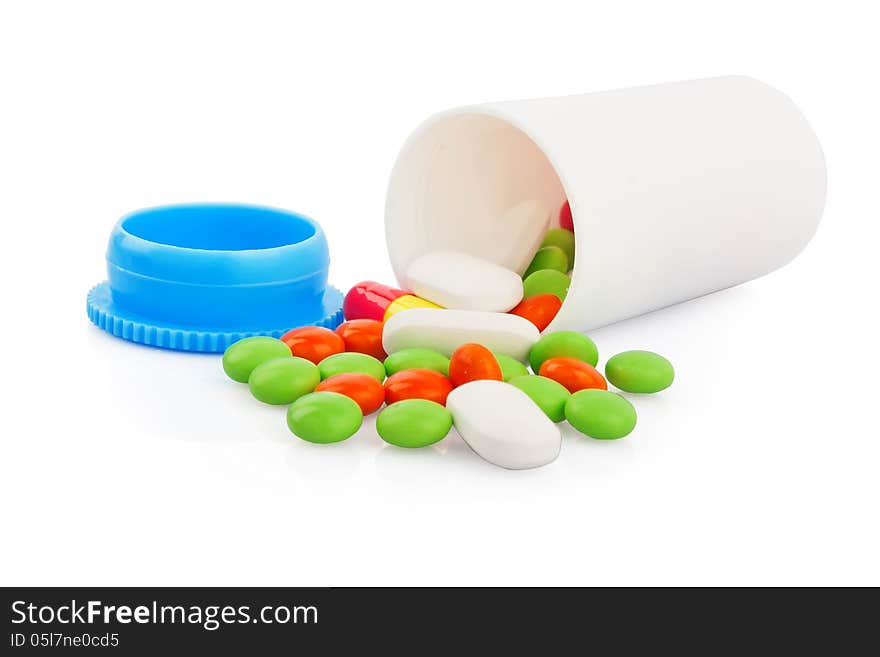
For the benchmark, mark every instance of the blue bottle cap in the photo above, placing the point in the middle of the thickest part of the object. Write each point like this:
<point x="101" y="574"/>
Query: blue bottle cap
<point x="199" y="277"/>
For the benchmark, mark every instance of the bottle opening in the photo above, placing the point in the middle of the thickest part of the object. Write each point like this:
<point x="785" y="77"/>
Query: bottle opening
<point x="471" y="182"/>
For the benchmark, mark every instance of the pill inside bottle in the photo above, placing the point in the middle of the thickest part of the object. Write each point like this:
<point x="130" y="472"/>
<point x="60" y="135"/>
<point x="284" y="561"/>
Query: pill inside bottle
<point x="471" y="184"/>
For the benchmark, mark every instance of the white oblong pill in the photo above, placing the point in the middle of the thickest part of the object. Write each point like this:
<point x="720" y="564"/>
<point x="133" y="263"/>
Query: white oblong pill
<point x="446" y="330"/>
<point x="457" y="280"/>
<point x="503" y="425"/>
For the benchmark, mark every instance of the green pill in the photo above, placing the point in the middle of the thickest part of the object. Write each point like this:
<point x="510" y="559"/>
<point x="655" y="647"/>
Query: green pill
<point x="546" y="281"/>
<point x="562" y="238"/>
<point x="283" y="380"/>
<point x="510" y="366"/>
<point x="413" y="423"/>
<point x="549" y="257"/>
<point x="352" y="362"/>
<point x="600" y="414"/>
<point x="417" y="358"/>
<point x="549" y="395"/>
<point x="568" y="344"/>
<point x="639" y="371"/>
<point x="324" y="417"/>
<point x="240" y="358"/>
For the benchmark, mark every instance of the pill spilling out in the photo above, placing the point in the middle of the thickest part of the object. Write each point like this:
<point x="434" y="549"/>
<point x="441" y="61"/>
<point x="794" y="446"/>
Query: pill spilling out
<point x="550" y="396"/>
<point x="413" y="423"/>
<point x="462" y="346"/>
<point x="352" y="362"/>
<point x="639" y="371"/>
<point x="243" y="356"/>
<point x="407" y="302"/>
<point x="600" y="414"/>
<point x="372" y="300"/>
<point x="369" y="300"/>
<point x="283" y="380"/>
<point x="521" y="436"/>
<point x="363" y="336"/>
<point x="461" y="281"/>
<point x="510" y="367"/>
<point x="539" y="309"/>
<point x="547" y="281"/>
<point x="572" y="373"/>
<point x="569" y="344"/>
<point x="324" y="417"/>
<point x="473" y="362"/>
<point x="313" y="343"/>
<point x="446" y="330"/>
<point x="414" y="358"/>
<point x="364" y="389"/>
<point x="417" y="384"/>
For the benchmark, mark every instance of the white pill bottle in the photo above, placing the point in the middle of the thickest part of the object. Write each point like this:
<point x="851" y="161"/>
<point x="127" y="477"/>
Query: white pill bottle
<point x="676" y="190"/>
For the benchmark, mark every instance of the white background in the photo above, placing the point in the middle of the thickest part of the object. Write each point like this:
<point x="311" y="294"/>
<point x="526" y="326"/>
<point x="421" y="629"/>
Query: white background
<point x="128" y="465"/>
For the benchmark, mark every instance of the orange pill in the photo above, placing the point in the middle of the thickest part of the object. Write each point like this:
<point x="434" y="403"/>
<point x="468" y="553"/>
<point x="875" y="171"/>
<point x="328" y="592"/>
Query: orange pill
<point x="364" y="389"/>
<point x="363" y="336"/>
<point x="572" y="373"/>
<point x="417" y="384"/>
<point x="313" y="343"/>
<point x="472" y="362"/>
<point x="539" y="309"/>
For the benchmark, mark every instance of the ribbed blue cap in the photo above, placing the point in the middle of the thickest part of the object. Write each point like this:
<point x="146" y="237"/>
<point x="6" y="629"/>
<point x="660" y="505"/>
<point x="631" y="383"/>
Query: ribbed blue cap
<point x="199" y="277"/>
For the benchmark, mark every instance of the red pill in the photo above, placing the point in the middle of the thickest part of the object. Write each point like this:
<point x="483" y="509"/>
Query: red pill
<point x="369" y="300"/>
<point x="313" y="343"/>
<point x="417" y="384"/>
<point x="572" y="373"/>
<point x="565" y="220"/>
<point x="364" y="389"/>
<point x="363" y="336"/>
<point x="539" y="309"/>
<point x="472" y="362"/>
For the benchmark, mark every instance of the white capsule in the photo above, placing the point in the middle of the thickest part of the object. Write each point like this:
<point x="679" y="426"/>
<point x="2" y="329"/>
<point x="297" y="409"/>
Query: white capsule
<point x="461" y="281"/>
<point x="446" y="330"/>
<point x="503" y="425"/>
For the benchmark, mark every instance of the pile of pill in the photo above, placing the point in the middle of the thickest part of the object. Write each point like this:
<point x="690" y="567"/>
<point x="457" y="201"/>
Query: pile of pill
<point x="462" y="347"/>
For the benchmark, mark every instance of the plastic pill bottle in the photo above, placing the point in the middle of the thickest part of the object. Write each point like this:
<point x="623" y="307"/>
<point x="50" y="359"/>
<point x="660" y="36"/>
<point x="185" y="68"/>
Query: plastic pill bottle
<point x="676" y="190"/>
